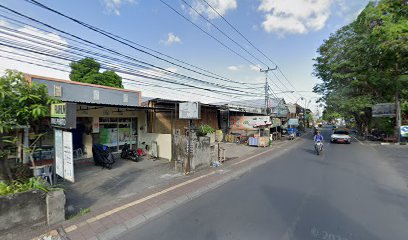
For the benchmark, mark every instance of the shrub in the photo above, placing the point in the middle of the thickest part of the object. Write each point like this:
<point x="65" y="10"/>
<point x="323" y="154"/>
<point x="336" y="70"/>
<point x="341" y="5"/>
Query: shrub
<point x="204" y="129"/>
<point x="34" y="183"/>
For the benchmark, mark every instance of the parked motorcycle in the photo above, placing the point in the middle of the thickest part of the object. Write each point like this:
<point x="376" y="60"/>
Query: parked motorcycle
<point x="318" y="147"/>
<point x="129" y="154"/>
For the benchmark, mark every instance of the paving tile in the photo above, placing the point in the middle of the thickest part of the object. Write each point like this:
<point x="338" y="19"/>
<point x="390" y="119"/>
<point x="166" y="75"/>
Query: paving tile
<point x="131" y="223"/>
<point x="112" y="233"/>
<point x="75" y="235"/>
<point x="87" y="231"/>
<point x="97" y="227"/>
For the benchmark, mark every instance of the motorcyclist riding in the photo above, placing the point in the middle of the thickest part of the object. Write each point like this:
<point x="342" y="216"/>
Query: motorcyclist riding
<point x="318" y="138"/>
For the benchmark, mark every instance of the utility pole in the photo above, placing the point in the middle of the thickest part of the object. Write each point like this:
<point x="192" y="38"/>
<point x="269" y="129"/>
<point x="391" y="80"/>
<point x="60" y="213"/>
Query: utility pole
<point x="398" y="117"/>
<point x="267" y="87"/>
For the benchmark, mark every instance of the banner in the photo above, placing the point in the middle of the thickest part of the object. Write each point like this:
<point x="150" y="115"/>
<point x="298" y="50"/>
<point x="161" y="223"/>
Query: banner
<point x="68" y="155"/>
<point x="248" y="122"/>
<point x="59" y="160"/>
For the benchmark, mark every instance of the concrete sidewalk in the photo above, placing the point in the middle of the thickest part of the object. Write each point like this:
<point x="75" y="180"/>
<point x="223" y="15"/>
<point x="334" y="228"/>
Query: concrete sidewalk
<point x="123" y="214"/>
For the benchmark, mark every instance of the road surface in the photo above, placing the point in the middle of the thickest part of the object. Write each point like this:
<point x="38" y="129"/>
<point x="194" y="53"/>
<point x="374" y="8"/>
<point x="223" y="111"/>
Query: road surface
<point x="349" y="192"/>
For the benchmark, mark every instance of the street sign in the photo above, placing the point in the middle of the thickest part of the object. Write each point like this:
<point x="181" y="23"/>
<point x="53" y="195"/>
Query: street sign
<point x="189" y="110"/>
<point x="404" y="131"/>
<point x="63" y="115"/>
<point x="384" y="110"/>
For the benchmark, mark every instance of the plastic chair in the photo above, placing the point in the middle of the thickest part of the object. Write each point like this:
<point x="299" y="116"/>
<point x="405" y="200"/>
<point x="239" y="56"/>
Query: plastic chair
<point x="47" y="174"/>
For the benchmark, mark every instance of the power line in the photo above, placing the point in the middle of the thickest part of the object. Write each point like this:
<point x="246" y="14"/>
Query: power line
<point x="113" y="51"/>
<point x="126" y="42"/>
<point x="253" y="45"/>
<point x="202" y="30"/>
<point x="223" y="33"/>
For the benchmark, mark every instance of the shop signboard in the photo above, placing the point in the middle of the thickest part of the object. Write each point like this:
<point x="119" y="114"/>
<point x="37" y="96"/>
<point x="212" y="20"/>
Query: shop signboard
<point x="293" y="122"/>
<point x="189" y="110"/>
<point x="404" y="131"/>
<point x="64" y="159"/>
<point x="63" y="115"/>
<point x="248" y="122"/>
<point x="59" y="160"/>
<point x="276" y="122"/>
<point x="68" y="155"/>
<point x="384" y="110"/>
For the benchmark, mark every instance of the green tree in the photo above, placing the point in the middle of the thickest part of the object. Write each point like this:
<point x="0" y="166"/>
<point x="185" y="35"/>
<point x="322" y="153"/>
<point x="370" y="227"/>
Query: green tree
<point x="87" y="71"/>
<point x="21" y="103"/>
<point x="365" y="62"/>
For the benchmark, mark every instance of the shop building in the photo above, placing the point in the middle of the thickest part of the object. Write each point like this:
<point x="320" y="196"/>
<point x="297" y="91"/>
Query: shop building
<point x="104" y="115"/>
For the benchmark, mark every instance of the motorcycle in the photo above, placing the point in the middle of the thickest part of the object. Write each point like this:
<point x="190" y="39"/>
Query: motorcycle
<point x="318" y="147"/>
<point x="129" y="154"/>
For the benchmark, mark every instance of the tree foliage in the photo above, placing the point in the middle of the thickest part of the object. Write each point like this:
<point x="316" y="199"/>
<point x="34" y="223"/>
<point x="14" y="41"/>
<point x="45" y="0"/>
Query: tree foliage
<point x="87" y="71"/>
<point x="21" y="103"/>
<point x="365" y="62"/>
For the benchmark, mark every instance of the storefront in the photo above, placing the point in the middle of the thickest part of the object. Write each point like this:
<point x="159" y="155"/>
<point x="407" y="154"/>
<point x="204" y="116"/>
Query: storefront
<point x="104" y="115"/>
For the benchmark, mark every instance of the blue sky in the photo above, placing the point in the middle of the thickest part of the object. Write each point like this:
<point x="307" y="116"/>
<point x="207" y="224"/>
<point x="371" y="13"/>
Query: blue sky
<point x="287" y="31"/>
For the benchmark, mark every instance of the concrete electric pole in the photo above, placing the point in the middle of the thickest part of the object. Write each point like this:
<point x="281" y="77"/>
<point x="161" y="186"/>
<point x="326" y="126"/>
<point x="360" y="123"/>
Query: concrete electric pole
<point x="267" y="87"/>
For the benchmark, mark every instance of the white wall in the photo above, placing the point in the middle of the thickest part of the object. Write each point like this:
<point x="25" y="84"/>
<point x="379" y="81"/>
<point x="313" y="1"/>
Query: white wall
<point x="163" y="143"/>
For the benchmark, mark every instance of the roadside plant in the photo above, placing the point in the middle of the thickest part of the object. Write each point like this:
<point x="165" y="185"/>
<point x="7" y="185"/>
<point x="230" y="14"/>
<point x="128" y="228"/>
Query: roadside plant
<point x="204" y="129"/>
<point x="34" y="183"/>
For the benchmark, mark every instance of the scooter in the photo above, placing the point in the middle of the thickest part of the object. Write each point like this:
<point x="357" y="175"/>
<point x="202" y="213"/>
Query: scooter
<point x="318" y="147"/>
<point x="129" y="154"/>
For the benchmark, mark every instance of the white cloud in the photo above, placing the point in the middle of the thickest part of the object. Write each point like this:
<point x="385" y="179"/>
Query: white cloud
<point x="21" y="64"/>
<point x="113" y="6"/>
<point x="172" y="69"/>
<point x="171" y="39"/>
<point x="254" y="68"/>
<point x="233" y="68"/>
<point x="221" y="6"/>
<point x="295" y="16"/>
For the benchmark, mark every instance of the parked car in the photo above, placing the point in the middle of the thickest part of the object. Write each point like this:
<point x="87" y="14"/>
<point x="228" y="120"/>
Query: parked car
<point x="340" y="136"/>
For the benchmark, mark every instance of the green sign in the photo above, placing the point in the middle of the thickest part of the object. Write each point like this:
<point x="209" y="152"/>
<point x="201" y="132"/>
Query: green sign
<point x="63" y="115"/>
<point x="59" y="110"/>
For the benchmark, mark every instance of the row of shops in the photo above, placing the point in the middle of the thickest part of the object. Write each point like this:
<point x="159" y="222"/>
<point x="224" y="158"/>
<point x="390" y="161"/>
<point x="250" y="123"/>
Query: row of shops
<point x="114" y="117"/>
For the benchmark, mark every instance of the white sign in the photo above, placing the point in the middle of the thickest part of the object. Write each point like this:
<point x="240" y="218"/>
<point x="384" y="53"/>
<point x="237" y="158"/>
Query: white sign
<point x="404" y="131"/>
<point x="95" y="125"/>
<point x="293" y="122"/>
<point x="96" y="94"/>
<point x="384" y="110"/>
<point x="189" y="110"/>
<point x="59" y="160"/>
<point x="68" y="155"/>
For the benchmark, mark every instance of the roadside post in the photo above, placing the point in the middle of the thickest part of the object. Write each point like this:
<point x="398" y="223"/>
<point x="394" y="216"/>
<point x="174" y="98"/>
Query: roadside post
<point x="63" y="119"/>
<point x="189" y="111"/>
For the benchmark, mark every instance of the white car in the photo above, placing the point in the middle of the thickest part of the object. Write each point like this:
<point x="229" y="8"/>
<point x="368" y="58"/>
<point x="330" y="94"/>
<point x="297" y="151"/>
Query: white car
<point x="340" y="136"/>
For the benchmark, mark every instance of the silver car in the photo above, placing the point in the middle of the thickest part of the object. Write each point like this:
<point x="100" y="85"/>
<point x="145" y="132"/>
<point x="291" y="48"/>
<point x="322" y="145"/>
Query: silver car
<point x="340" y="136"/>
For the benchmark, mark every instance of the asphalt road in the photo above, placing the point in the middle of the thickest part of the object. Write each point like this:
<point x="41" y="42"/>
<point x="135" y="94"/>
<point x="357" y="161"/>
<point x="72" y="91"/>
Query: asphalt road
<point x="349" y="192"/>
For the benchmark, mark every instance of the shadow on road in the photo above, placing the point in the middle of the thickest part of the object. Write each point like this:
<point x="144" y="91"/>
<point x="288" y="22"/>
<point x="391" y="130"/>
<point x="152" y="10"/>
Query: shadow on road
<point x="309" y="216"/>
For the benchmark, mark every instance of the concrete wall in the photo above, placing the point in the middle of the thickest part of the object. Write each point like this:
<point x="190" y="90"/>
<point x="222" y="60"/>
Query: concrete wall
<point x="30" y="209"/>
<point x="22" y="210"/>
<point x="163" y="143"/>
<point x="202" y="155"/>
